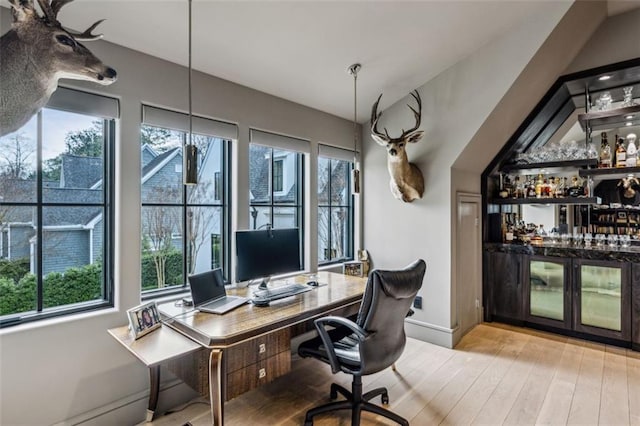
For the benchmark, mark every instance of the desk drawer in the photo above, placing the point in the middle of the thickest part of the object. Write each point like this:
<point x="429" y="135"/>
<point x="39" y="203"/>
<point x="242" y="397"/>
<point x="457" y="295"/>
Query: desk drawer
<point x="258" y="374"/>
<point x="257" y="349"/>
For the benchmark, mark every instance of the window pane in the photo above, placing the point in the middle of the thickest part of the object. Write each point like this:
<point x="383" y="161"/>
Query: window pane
<point x="18" y="164"/>
<point x="17" y="282"/>
<point x="285" y="217"/>
<point x="323" y="181"/>
<point x="71" y="255"/>
<point x="340" y="183"/>
<point x="72" y="157"/>
<point x="324" y="253"/>
<point x="259" y="217"/>
<point x="161" y="247"/>
<point x="161" y="165"/>
<point x="287" y="193"/>
<point x="205" y="238"/>
<point x="259" y="174"/>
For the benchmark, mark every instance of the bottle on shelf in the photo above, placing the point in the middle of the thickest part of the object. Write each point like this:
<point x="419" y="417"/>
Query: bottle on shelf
<point x="632" y="150"/>
<point x="539" y="183"/>
<point x="605" y="151"/>
<point x="531" y="187"/>
<point x="621" y="153"/>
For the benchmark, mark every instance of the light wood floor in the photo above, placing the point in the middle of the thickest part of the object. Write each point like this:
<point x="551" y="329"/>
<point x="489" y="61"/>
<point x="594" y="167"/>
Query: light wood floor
<point x="497" y="375"/>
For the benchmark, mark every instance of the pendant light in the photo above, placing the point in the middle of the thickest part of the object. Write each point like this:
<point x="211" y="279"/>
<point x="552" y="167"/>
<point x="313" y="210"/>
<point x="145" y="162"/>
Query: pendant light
<point x="355" y="174"/>
<point x="190" y="151"/>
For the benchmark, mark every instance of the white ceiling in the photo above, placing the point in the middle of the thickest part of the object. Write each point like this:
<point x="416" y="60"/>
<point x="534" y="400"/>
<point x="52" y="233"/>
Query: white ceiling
<point x="300" y="50"/>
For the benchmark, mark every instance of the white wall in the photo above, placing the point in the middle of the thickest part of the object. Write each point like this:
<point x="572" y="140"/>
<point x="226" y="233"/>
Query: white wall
<point x="56" y="370"/>
<point x="457" y="105"/>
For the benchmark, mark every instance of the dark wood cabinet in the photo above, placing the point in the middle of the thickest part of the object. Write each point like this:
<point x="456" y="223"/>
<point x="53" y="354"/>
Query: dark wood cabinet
<point x="505" y="281"/>
<point x="635" y="306"/>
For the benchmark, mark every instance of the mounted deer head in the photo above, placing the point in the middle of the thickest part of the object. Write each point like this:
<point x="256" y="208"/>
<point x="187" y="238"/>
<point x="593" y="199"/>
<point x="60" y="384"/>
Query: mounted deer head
<point x="36" y="52"/>
<point x="407" y="183"/>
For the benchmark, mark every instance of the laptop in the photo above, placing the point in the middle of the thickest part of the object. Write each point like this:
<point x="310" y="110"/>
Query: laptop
<point x="209" y="295"/>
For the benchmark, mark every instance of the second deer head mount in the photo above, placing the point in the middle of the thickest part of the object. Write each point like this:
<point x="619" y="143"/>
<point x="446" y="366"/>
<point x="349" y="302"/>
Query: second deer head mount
<point x="36" y="52"/>
<point x="407" y="183"/>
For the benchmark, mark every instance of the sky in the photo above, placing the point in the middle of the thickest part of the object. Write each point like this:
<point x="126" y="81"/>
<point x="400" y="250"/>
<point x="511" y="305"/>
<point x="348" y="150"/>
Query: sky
<point x="56" y="125"/>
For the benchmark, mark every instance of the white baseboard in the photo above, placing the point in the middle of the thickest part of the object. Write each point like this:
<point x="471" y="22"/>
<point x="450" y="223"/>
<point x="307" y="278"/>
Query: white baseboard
<point x="132" y="409"/>
<point x="431" y="333"/>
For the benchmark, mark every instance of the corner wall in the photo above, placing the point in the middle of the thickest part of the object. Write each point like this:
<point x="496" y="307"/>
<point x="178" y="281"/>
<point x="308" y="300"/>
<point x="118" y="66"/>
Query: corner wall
<point x="464" y="129"/>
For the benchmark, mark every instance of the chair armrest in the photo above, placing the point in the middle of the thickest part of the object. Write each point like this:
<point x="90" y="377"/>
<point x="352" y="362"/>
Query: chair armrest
<point x="321" y="324"/>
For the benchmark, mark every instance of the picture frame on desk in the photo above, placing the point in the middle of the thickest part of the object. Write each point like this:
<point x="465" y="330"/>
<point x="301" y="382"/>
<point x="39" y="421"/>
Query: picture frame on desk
<point x="356" y="269"/>
<point x="143" y="319"/>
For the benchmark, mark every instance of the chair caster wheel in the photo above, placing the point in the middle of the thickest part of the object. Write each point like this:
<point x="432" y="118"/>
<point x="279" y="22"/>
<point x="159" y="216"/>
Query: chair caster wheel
<point x="385" y="399"/>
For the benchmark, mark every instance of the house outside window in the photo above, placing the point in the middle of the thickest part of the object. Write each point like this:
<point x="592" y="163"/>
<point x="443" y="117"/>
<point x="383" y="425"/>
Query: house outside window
<point x="278" y="175"/>
<point x="335" y="210"/>
<point x="280" y="209"/>
<point x="56" y="210"/>
<point x="185" y="228"/>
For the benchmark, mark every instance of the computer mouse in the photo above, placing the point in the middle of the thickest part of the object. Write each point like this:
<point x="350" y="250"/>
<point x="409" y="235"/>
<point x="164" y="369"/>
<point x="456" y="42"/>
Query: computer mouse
<point x="312" y="283"/>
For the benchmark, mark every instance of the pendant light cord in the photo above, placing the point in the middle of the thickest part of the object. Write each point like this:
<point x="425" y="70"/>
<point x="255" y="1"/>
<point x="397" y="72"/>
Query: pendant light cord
<point x="190" y="70"/>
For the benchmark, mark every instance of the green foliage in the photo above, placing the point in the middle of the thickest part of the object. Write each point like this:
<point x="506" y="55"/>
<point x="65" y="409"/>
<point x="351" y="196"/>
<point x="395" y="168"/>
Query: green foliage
<point x="14" y="270"/>
<point x="173" y="270"/>
<point x="154" y="135"/>
<point x="73" y="286"/>
<point x="86" y="142"/>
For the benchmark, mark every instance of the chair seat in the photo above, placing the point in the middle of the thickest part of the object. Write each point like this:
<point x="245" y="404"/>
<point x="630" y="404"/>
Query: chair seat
<point x="346" y="348"/>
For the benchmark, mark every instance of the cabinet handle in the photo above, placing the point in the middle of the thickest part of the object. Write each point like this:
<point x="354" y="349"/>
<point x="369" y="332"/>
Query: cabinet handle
<point x="262" y="348"/>
<point x="262" y="373"/>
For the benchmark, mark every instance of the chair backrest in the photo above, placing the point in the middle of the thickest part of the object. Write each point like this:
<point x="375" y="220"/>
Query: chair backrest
<point x="385" y="304"/>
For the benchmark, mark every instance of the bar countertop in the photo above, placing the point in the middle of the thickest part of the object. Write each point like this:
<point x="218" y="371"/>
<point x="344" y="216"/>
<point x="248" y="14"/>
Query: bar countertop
<point x="619" y="254"/>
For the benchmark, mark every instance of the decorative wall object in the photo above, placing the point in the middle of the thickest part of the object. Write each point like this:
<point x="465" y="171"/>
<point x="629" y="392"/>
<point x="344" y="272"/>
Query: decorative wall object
<point x="35" y="53"/>
<point x="407" y="183"/>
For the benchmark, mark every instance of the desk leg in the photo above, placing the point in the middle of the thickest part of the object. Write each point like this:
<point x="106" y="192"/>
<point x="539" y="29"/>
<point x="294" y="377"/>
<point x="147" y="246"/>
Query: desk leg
<point x="154" y="391"/>
<point x="215" y="387"/>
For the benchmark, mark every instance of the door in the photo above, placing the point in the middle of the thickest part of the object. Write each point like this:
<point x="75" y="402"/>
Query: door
<point x="505" y="280"/>
<point x="468" y="262"/>
<point x="548" y="291"/>
<point x="602" y="298"/>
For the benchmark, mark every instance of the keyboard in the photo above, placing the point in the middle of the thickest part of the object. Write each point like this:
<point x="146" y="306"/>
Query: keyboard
<point x="263" y="297"/>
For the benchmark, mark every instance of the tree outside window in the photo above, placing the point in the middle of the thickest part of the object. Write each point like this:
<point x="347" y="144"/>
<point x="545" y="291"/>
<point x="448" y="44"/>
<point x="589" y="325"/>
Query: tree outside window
<point x="55" y="216"/>
<point x="335" y="211"/>
<point x="183" y="227"/>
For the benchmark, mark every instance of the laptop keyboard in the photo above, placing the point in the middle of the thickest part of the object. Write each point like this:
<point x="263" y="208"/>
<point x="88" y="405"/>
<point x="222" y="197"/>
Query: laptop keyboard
<point x="280" y="292"/>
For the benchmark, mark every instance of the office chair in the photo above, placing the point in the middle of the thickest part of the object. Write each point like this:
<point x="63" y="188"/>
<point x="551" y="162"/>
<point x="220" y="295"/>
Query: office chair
<point x="370" y="344"/>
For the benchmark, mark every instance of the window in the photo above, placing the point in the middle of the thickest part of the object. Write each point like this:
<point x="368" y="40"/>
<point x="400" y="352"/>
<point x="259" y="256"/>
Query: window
<point x="280" y="208"/>
<point x="278" y="175"/>
<point x="185" y="228"/>
<point x="335" y="211"/>
<point x="56" y="199"/>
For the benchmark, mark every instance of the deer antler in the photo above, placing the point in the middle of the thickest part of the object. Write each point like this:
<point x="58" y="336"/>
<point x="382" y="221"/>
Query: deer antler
<point x="416" y="114"/>
<point x="51" y="11"/>
<point x="375" y="116"/>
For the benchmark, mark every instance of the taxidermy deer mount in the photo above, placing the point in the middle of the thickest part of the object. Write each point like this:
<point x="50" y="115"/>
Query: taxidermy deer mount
<point x="35" y="53"/>
<point x="407" y="183"/>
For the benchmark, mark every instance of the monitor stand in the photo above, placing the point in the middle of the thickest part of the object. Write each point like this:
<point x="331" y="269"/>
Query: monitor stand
<point x="264" y="284"/>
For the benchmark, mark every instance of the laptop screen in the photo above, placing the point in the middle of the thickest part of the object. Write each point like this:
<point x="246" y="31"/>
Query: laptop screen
<point x="207" y="286"/>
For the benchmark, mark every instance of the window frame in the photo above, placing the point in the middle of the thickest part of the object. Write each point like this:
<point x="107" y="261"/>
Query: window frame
<point x="330" y="205"/>
<point x="299" y="206"/>
<point x="223" y="202"/>
<point x="107" y="205"/>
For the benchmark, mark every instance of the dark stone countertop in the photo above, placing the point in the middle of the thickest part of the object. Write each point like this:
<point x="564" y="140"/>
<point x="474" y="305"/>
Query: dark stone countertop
<point x="618" y="254"/>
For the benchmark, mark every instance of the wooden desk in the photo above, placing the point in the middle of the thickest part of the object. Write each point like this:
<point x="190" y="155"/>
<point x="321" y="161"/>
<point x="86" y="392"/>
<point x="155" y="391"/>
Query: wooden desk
<point x="223" y="356"/>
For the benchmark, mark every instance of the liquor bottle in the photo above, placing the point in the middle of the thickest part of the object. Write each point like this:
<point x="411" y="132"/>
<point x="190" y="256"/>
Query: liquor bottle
<point x="621" y="153"/>
<point x="560" y="187"/>
<point x="552" y="187"/>
<point x="632" y="150"/>
<point x="539" y="184"/>
<point x="531" y="189"/>
<point x="605" y="151"/>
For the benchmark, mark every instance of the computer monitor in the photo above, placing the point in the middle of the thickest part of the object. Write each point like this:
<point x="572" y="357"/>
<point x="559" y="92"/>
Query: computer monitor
<point x="262" y="253"/>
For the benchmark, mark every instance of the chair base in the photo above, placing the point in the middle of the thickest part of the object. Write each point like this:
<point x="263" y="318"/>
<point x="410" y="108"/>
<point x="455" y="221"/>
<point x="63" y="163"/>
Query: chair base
<point x="356" y="402"/>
